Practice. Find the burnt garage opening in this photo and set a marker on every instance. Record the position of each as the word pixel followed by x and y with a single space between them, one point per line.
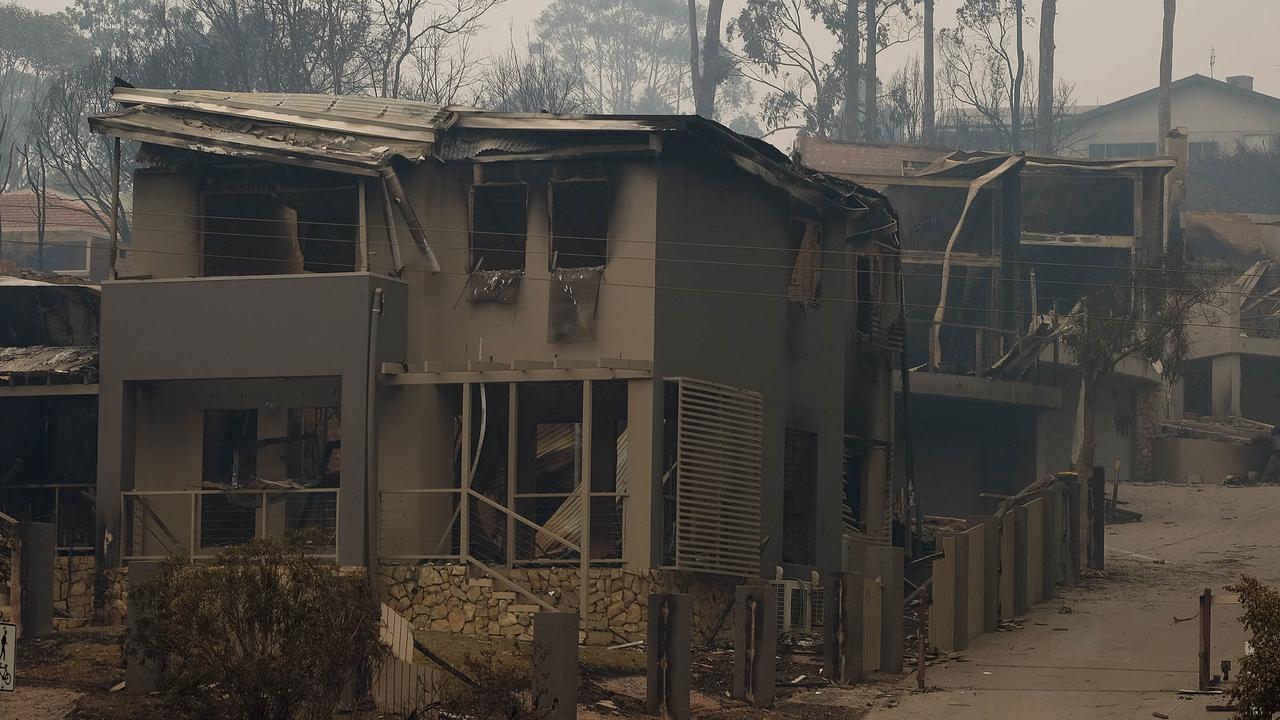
pixel 280 222
pixel 1078 204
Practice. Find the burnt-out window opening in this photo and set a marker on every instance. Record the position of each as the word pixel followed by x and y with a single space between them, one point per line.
pixel 610 449
pixel 1079 204
pixel 230 457
pixel 551 450
pixel 855 450
pixel 286 224
pixel 499 226
pixel 1197 384
pixel 579 223
pixel 230 447
pixel 488 472
pixel 799 497
pixel 573 302
pixel 805 286
pixel 549 453
pixel 314 454
pixel 48 461
pixel 866 307
pixel 927 216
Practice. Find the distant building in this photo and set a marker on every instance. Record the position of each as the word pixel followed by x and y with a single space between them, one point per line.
pixel 1220 115
pixel 74 241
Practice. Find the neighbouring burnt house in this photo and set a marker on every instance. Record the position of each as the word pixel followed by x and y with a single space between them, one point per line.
pixel 514 360
pixel 49 423
pixel 997 249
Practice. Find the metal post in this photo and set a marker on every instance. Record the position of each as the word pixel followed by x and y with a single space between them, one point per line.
pixel 195 523
pixel 513 458
pixel 755 639
pixel 362 247
pixel 922 632
pixel 464 497
pixel 584 487
pixel 1206 629
pixel 667 687
pixel 397 264
pixel 114 248
pixel 554 684
pixel 262 529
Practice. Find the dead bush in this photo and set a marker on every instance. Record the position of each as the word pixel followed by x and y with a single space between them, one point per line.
pixel 1257 686
pixel 500 691
pixel 261 633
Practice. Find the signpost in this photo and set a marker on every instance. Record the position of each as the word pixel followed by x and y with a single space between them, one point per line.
pixel 8 655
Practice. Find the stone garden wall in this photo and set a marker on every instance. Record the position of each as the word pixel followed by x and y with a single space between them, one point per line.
pixel 72 591
pixel 442 597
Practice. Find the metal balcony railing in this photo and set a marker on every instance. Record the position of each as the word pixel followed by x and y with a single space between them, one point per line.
pixel 200 523
pixel 69 506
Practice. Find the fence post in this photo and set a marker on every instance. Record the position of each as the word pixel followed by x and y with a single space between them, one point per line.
pixel 922 637
pixel 990 570
pixel 37 541
pixel 139 673
pixel 1021 537
pixel 887 563
pixel 669 624
pixel 584 486
pixel 960 590
pixel 555 665
pixel 1206 631
pixel 755 640
pixel 1097 518
pixel 843 640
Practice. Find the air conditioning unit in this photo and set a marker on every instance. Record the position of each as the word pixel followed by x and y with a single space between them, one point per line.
pixel 800 608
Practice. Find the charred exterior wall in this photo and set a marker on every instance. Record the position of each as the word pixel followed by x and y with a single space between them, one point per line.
pixel 964 448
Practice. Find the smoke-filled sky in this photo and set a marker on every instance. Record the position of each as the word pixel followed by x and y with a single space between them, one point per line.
pixel 1109 48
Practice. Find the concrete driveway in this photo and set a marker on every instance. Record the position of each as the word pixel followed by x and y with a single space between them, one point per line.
pixel 1110 647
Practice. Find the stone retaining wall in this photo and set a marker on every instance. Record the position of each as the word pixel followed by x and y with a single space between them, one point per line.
pixel 442 597
pixel 72 591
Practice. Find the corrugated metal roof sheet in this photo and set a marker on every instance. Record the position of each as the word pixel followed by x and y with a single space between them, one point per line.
pixel 329 111
pixel 45 361
pixel 362 134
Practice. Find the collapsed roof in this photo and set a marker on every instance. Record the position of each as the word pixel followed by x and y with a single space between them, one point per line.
pixel 364 136
pixel 1257 291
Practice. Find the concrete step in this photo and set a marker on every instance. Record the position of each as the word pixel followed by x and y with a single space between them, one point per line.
pixel 480 582
pixel 524 608
pixel 502 595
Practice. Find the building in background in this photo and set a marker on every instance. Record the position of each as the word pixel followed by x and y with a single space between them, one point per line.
pixel 49 424
pixel 1220 116
pixel 996 250
pixel 53 233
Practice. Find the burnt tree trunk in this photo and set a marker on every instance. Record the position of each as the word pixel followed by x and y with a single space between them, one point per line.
pixel 1044 101
pixel 851 65
pixel 1015 97
pixel 704 63
pixel 873 85
pixel 928 120
pixel 1166 75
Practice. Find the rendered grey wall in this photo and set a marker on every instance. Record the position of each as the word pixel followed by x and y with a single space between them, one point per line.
pixel 739 329
pixel 965 447
pixel 242 327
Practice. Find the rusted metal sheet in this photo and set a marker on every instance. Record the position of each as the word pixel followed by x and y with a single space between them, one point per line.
pixel 47 362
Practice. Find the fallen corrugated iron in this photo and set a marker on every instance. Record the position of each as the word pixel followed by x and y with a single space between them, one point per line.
pixel 41 362
pixel 1234 430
